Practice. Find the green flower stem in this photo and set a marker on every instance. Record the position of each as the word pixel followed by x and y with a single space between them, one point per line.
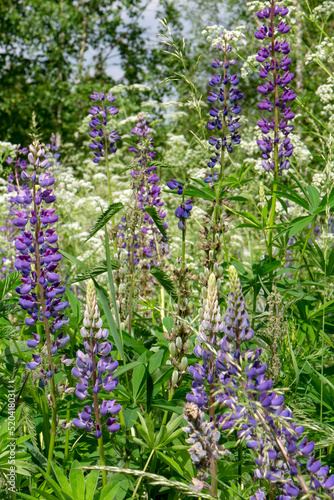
pixel 305 245
pixel 144 470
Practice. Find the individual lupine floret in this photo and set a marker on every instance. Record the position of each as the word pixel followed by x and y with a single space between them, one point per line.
pixel 102 141
pixel 95 371
pixel 37 259
pixel 275 145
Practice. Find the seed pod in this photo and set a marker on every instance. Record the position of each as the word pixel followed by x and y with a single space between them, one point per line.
pixel 172 348
pixel 184 364
pixel 179 343
pixel 187 346
pixel 175 377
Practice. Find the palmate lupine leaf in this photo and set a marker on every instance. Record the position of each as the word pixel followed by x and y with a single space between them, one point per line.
pixel 165 281
pixel 157 480
pixel 8 283
pixel 157 219
pixel 104 218
pixel 8 332
pixel 96 270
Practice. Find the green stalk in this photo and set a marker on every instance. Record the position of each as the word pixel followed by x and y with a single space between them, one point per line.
pixel 67 434
pixel 141 477
pixel 305 245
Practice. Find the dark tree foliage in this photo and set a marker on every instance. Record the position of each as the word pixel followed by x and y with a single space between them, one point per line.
pixel 52 51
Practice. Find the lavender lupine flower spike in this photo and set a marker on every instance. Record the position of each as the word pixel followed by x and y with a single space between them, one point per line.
pixel 38 257
pixel 275 144
pixel 148 192
pixel 94 370
pixel 103 141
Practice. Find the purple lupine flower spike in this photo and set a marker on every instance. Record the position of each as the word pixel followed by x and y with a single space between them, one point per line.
pixel 37 257
pixel 98 124
pixel 258 413
pixel 225 109
pixel 94 371
pixel 275 145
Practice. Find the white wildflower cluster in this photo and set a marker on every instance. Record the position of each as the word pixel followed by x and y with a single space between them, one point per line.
pixel 249 67
pixel 138 87
pixel 322 11
pixel 324 52
pixel 219 35
pixel 179 154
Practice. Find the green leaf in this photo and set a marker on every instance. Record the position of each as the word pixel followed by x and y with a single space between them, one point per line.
pixel 96 270
pixel 73 259
pixel 250 218
pixel 104 218
pixel 116 491
pixel 157 219
pixel 102 294
pixel 77 480
pixel 62 480
pixel 165 281
pixel 314 197
pixel 298 224
pixel 171 462
pixel 203 193
pixel 9 283
pixel 74 303
pixel 111 280
pixel 91 484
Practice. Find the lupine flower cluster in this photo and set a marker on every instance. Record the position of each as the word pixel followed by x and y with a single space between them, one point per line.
pixel 284 457
pixel 225 113
pixel 274 57
pixel 183 211
pixel 37 256
pixel 94 370
pixel 103 140
pixel 148 243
